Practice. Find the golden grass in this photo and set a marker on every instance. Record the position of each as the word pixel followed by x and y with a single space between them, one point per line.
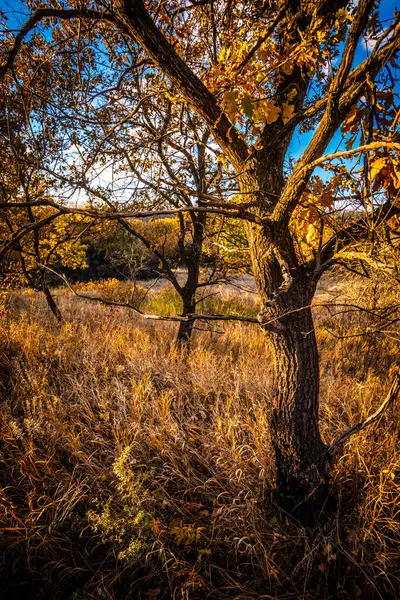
pixel 131 471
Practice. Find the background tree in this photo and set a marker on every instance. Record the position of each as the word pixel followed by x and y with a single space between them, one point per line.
pixel 93 122
pixel 21 150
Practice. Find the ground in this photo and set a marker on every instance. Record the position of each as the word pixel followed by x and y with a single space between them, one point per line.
pixel 132 471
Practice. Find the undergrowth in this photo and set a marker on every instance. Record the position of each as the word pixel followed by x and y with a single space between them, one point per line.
pixel 132 471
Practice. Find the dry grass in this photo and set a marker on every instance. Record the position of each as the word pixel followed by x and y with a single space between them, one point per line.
pixel 130 471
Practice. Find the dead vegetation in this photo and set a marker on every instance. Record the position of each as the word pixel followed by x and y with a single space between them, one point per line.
pixel 130 470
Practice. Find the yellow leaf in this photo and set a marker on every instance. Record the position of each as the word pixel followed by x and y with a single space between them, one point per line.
pixel 247 106
pixel 224 54
pixel 270 111
pixel 264 53
pixel 377 166
pixel 312 235
pixel 292 94
pixel 287 112
pixel 288 67
pixel 231 107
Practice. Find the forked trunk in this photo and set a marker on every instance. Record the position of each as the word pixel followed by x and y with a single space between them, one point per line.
pixel 286 290
pixel 191 254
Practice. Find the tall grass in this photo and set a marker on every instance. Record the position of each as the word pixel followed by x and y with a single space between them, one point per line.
pixel 132 471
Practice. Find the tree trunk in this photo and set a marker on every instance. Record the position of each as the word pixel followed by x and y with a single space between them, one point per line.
pixel 299 451
pixel 186 327
pixel 191 254
pixel 50 300
pixel 286 291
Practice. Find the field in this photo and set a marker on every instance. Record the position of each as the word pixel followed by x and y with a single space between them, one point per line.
pixel 132 470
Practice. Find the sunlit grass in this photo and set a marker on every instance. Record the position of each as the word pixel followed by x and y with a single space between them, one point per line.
pixel 129 467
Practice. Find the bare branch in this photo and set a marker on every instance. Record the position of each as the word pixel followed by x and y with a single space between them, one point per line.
pixel 233 211
pixel 44 13
pixel 346 153
pixel 389 400
pixel 355 231
pixel 151 317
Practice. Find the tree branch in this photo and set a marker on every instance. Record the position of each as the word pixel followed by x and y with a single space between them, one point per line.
pixel 143 315
pixel 356 231
pixel 335 111
pixel 360 21
pixel 234 211
pixel 44 13
pixel 390 399
pixel 23 231
pixel 143 30
pixel 134 21
pixel 346 153
pixel 262 39
pixel 357 77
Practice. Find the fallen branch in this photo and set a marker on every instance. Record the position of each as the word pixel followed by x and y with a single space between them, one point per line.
pixel 390 399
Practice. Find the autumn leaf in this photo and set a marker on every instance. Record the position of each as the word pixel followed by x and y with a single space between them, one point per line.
pixel 396 175
pixel 224 54
pixel 287 112
pixel 267 111
pixel 312 235
pixel 231 107
pixel 288 67
pixel 352 121
pixel 377 166
pixel 247 106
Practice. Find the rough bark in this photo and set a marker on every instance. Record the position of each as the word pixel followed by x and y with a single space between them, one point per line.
pixel 285 301
pixel 286 290
pixel 300 453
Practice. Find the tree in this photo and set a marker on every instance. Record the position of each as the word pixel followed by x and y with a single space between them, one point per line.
pixel 21 181
pixel 158 156
pixel 155 153
pixel 165 149
pixel 255 73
